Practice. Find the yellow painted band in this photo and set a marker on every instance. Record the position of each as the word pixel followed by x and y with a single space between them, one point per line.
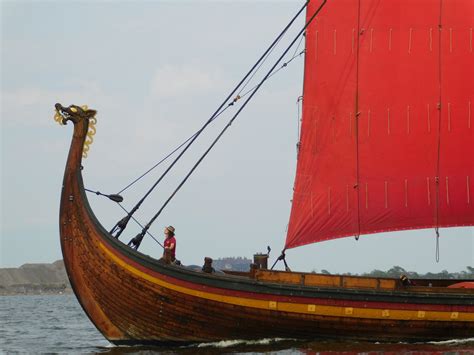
pixel 303 308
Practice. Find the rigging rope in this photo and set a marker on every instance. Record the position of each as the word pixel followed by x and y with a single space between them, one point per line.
pixel 239 96
pixel 141 226
pixel 139 237
pixel 117 198
pixel 281 257
pixel 299 45
pixel 154 166
pixel 114 197
pixel 121 225
pixel 284 65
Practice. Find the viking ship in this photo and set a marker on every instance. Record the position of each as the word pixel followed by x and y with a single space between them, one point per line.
pixel 386 145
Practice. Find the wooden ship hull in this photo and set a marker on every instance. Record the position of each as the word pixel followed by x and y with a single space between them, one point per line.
pixel 134 299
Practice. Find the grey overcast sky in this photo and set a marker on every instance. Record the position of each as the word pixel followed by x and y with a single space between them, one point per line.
pixel 155 71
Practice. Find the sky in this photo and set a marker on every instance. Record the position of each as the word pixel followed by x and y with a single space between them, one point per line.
pixel 155 71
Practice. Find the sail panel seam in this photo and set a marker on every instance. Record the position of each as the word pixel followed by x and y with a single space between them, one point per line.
pixel 356 118
pixel 439 106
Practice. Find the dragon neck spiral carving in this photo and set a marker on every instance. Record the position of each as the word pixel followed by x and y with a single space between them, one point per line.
pixel 75 114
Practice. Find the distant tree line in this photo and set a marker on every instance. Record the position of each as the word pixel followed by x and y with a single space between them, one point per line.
pixel 232 263
pixel 396 271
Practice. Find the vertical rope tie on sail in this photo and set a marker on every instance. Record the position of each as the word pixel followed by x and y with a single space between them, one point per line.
pixel 406 193
pixel 470 40
pixel 428 117
pixel 447 190
pixel 368 123
pixel 409 40
pixel 449 117
pixel 469 115
pixel 467 191
pixel 408 119
pixel 390 39
pixel 431 39
pixel 371 40
pixel 298 121
pixel 428 190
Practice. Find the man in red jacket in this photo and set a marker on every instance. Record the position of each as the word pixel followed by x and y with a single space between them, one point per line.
pixel 170 243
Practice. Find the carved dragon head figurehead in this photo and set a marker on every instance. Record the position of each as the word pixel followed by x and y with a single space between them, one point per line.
pixel 72 113
pixel 76 114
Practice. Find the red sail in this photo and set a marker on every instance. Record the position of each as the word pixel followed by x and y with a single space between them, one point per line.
pixel 388 114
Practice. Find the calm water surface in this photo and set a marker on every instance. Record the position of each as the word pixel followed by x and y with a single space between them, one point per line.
pixel 57 324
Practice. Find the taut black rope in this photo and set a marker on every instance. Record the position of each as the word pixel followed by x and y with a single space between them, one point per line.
pixel 141 226
pixel 154 166
pixel 117 198
pixel 121 225
pixel 138 238
pixel 114 197
pixel 284 65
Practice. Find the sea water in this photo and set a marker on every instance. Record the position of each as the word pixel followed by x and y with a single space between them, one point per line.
pixel 57 324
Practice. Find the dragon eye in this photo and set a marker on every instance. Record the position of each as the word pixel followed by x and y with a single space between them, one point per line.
pixel 73 109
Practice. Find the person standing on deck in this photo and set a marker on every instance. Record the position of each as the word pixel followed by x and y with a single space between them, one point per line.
pixel 169 244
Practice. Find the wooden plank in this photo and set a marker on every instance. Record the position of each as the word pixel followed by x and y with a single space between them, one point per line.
pixel 359 282
pixel 387 284
pixel 322 280
pixel 278 276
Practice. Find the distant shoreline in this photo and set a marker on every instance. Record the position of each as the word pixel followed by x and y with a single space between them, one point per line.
pixel 35 291
pixel 35 279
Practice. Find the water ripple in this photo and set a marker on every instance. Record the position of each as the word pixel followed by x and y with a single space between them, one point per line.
pixel 57 324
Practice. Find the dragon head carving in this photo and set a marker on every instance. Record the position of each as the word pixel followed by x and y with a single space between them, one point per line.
pixel 76 114
pixel 72 113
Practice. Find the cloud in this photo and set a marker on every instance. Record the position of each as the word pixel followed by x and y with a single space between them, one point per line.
pixel 29 105
pixel 179 81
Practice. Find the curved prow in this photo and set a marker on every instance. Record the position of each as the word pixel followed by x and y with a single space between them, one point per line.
pixel 72 194
pixel 80 232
